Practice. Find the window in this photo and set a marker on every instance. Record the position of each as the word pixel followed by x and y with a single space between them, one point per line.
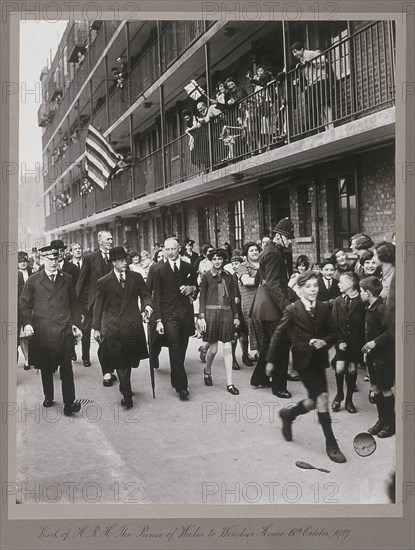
pixel 341 55
pixel 304 211
pixel 236 223
pixel 345 206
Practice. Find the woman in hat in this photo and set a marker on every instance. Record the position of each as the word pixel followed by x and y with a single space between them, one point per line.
pixel 246 275
pixel 218 315
pixel 23 273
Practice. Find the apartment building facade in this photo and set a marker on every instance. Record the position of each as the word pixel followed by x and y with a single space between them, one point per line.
pixel 316 143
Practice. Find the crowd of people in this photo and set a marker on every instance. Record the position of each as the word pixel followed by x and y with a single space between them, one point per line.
pixel 285 323
pixel 251 116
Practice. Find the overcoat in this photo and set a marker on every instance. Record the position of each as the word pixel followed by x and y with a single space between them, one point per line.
pixel 273 275
pixel 93 268
pixel 117 315
pixel 299 328
pixel 52 309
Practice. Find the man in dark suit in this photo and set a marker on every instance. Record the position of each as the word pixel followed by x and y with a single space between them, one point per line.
pixel 309 327
pixel 116 308
pixel 175 282
pixel 273 275
pixel 51 318
pixel 328 288
pixel 93 268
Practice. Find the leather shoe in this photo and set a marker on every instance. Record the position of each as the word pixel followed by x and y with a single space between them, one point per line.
pixel 376 428
pixel 87 363
pixel 184 394
pixel 388 430
pixel 71 408
pixel 107 382
pixel 247 360
pixel 48 402
pixel 293 377
pixel 235 366
pixel 286 425
pixel 335 406
pixel 335 454
pixel 127 403
pixel 232 389
pixel 207 376
pixel 113 377
pixel 350 408
pixel 284 394
pixel 26 367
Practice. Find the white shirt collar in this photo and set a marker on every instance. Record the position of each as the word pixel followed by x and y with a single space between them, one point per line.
pixel 307 304
pixel 177 262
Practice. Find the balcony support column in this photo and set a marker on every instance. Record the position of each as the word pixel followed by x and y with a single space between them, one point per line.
pixel 208 86
pixel 163 134
pixel 287 89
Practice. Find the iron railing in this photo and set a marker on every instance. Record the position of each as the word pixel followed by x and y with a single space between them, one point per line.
pixel 352 79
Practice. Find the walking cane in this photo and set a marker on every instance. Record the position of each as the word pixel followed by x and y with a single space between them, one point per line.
pixel 150 360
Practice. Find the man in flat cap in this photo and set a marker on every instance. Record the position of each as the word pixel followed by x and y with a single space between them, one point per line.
pixel 51 317
pixel 269 305
pixel 117 321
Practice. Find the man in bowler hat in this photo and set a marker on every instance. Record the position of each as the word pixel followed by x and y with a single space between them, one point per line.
pixel 51 317
pixel 118 322
pixel 273 275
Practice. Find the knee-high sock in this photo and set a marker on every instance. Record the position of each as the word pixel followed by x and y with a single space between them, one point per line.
pixel 339 385
pixel 350 385
pixel 325 421
pixel 293 412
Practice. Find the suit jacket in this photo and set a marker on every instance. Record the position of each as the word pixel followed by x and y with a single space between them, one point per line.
pixel 168 298
pixel 325 294
pixel 52 309
pixel 350 324
pixel 117 310
pixel 93 268
pixel 272 273
pixel 299 328
pixel 377 329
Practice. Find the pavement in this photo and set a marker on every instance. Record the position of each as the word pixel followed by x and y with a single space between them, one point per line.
pixel 215 448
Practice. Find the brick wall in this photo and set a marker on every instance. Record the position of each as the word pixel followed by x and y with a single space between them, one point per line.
pixel 376 174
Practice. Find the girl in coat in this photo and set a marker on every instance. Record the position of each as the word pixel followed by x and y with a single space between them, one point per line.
pixel 218 315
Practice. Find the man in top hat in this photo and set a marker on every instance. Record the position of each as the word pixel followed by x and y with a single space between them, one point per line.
pixel 117 321
pixel 93 268
pixel 268 307
pixel 50 315
pixel 175 281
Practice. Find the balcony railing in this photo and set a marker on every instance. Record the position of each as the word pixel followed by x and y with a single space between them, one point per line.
pixel 350 80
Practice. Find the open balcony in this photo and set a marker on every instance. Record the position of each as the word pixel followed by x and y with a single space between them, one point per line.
pixel 352 80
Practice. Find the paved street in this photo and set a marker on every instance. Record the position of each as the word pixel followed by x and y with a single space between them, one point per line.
pixel 215 448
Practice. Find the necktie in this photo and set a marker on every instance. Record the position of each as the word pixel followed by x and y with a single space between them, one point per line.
pixel 52 277
pixel 176 270
pixel 122 280
pixel 312 310
pixel 348 301
pixel 329 284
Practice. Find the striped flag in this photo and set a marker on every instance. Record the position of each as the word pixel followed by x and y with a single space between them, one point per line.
pixel 101 159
